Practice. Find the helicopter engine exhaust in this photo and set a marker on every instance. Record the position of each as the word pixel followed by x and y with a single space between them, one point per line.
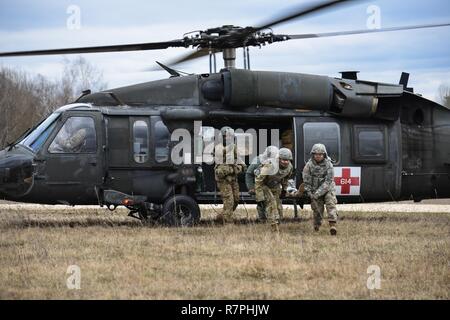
pixel 344 97
pixel 244 88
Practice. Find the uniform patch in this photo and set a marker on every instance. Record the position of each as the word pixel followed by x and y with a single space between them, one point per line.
pixel 347 181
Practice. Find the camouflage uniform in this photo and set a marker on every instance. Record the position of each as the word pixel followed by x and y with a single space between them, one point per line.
pixel 226 176
pixel 269 184
pixel 250 182
pixel 73 143
pixel 318 179
pixel 270 151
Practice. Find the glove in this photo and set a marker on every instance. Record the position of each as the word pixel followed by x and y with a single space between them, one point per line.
pixel 301 190
pixel 291 194
pixel 251 191
pixel 315 196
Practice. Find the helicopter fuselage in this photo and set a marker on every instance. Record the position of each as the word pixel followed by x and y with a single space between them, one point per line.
pixel 386 143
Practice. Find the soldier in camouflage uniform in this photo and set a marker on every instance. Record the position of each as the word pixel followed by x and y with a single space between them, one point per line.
pixel 271 182
pixel 75 142
pixel 269 153
pixel 70 139
pixel 318 179
pixel 228 167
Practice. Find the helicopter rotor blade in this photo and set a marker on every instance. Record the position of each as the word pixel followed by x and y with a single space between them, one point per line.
pixel 352 32
pixel 191 56
pixel 294 13
pixel 188 57
pixel 112 48
pixel 303 11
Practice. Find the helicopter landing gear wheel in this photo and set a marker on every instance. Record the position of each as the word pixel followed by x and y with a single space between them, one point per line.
pixel 180 211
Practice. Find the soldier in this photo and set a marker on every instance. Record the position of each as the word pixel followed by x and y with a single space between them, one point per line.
pixel 228 167
pixel 318 179
pixel 271 182
pixel 70 139
pixel 269 153
pixel 75 142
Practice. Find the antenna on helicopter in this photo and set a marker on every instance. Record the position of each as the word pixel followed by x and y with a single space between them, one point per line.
pixel 172 72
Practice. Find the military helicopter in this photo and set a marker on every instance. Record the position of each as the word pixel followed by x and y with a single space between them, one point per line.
pixel 387 143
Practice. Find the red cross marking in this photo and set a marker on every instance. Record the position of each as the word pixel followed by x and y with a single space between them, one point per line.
pixel 346 181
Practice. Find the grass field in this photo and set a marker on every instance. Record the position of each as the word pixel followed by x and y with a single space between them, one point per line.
pixel 121 258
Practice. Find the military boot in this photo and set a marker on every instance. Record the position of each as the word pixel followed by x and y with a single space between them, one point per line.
pixel 275 228
pixel 317 227
pixel 220 219
pixel 261 219
pixel 261 212
pixel 333 230
pixel 228 219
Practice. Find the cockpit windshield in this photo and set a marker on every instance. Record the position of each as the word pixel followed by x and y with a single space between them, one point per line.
pixel 39 134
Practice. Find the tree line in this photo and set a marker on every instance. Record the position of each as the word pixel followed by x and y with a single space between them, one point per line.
pixel 25 98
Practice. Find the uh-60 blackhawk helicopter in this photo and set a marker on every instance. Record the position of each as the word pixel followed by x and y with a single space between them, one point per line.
pixel 387 143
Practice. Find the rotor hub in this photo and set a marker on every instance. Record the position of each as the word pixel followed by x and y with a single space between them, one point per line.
pixel 229 36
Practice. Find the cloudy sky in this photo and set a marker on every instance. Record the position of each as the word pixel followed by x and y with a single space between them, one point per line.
pixel 30 25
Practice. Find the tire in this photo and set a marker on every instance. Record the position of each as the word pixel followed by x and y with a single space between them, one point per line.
pixel 187 213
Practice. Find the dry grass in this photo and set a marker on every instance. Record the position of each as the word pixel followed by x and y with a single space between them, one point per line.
pixel 120 258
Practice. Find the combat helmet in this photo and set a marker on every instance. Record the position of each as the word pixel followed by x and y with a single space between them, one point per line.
pixel 319 148
pixel 285 154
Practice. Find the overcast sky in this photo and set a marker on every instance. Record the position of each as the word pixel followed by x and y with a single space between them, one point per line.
pixel 29 25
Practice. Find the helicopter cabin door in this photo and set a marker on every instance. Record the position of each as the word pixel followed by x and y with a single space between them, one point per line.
pixel 73 158
pixel 312 130
pixel 364 153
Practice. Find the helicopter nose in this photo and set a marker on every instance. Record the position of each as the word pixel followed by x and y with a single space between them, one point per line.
pixel 15 174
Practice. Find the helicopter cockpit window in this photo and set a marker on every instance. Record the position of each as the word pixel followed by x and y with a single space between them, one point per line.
pixel 140 141
pixel 162 137
pixel 77 135
pixel 37 137
pixel 327 133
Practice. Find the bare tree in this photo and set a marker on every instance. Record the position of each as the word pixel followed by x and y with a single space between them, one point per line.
pixel 25 98
pixel 79 75
pixel 444 94
pixel 19 104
